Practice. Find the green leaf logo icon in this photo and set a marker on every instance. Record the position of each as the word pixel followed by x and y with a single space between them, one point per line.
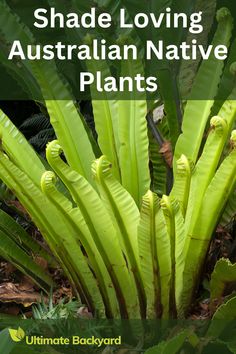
pixel 17 334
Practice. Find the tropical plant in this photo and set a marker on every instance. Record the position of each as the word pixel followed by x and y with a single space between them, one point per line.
pixel 43 311
pixel 127 252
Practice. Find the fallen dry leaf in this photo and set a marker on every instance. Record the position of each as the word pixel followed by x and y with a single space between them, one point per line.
pixel 26 284
pixel 10 292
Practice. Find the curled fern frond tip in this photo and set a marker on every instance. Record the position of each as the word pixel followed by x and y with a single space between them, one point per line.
pixel 219 124
pixel 53 149
pixel 48 180
pixel 101 165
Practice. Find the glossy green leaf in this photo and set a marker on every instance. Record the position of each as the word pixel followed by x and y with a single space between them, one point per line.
pixel 105 114
pixel 198 239
pixel 78 229
pixel 223 274
pixel 205 170
pixel 197 111
pixel 19 150
pixel 180 190
pixel 133 137
pixel 154 253
pixel 65 118
pixel 223 316
pixel 125 216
